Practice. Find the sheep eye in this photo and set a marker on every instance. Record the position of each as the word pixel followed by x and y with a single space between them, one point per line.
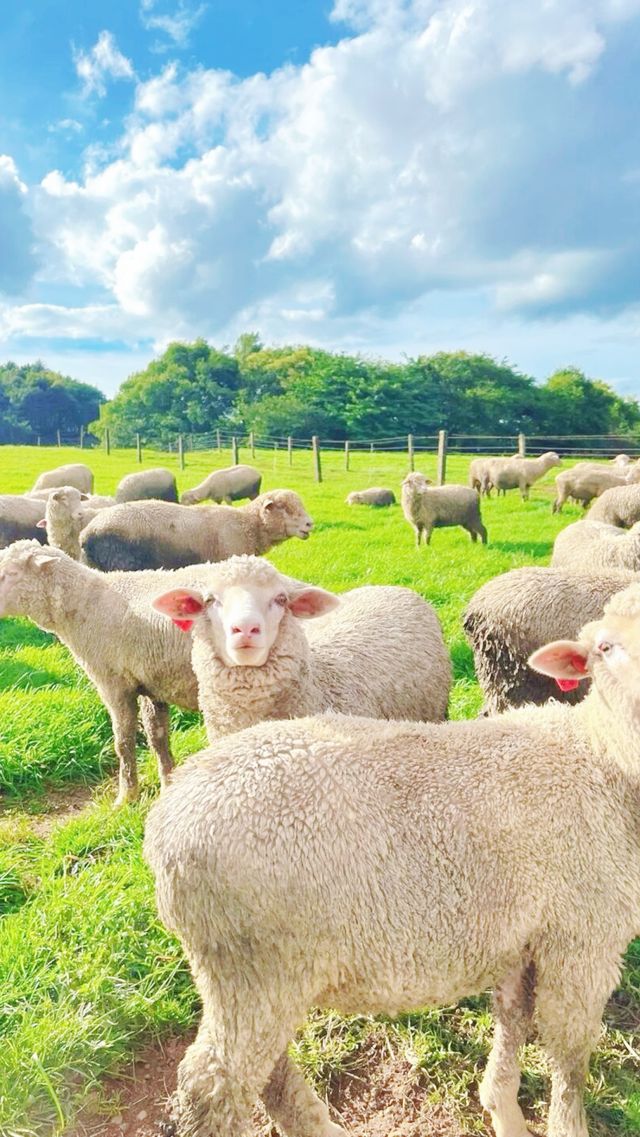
pixel 604 647
pixel 281 599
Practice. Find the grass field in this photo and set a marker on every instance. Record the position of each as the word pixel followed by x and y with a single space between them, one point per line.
pixel 87 973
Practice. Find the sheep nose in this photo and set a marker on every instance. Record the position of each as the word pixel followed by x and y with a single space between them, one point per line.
pixel 246 629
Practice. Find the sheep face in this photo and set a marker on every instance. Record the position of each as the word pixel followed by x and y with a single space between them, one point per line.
pixel 242 620
pixel 189 498
pixel 284 515
pixel 608 651
pixel 23 557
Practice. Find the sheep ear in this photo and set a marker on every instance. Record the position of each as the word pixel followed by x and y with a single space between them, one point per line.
pixel 181 605
pixel 563 660
pixel 268 503
pixel 310 602
pixel 84 496
pixel 42 523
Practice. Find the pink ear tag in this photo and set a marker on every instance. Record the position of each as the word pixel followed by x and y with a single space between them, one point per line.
pixel 184 625
pixel 568 684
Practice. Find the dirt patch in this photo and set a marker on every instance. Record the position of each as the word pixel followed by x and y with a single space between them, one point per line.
pixel 382 1095
pixel 60 806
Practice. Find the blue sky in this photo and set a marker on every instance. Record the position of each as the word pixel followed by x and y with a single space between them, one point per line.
pixel 382 176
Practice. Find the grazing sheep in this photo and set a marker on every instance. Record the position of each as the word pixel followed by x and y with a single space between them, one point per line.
pixel 427 507
pixel 598 546
pixel 512 615
pixel 587 480
pixel 381 652
pixel 128 650
pixel 376 495
pixel 381 867
pixel 154 534
pixel 67 513
pixel 75 474
pixel 479 474
pixel 157 484
pixel 19 517
pixel 618 506
pixel 230 484
pixel 520 473
pixel 621 460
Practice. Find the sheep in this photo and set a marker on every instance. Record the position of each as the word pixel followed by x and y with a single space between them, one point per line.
pixel 621 460
pixel 379 867
pixel 598 545
pixel 512 615
pixel 382 652
pixel 128 650
pixel 376 496
pixel 154 534
pixel 158 484
pixel 514 473
pixel 19 517
pixel 66 514
pixel 74 474
pixel 479 474
pixel 587 480
pixel 427 507
pixel 230 484
pixel 618 506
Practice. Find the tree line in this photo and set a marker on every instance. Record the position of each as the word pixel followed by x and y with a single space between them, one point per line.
pixel 300 390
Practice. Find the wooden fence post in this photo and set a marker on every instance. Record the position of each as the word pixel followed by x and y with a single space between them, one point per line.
pixel 138 448
pixel 442 457
pixel 58 437
pixel 252 443
pixel 234 450
pixel 346 454
pixel 410 451
pixel 39 441
pixel 82 437
pixel 522 446
pixel 371 448
pixel 290 449
pixel 317 464
pixel 181 452
pixel 218 441
pixel 107 440
pixel 191 441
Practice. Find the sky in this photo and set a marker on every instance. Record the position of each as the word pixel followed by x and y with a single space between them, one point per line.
pixel 389 177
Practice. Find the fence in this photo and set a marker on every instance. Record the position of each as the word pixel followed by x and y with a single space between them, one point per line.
pixel 439 444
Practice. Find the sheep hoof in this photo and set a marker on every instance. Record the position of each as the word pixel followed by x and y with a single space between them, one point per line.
pixel 126 795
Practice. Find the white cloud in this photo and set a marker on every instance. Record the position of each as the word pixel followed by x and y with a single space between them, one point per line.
pixel 177 24
pixel 104 61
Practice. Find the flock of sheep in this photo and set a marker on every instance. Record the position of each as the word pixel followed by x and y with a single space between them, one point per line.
pixel 375 861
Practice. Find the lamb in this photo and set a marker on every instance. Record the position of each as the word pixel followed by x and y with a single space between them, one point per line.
pixel 380 867
pixel 514 473
pixel 618 506
pixel 230 484
pixel 158 484
pixel 381 652
pixel 376 496
pixel 587 480
pixel 67 513
pixel 514 614
pixel 128 650
pixel 154 534
pixel 19 517
pixel 598 545
pixel 74 474
pixel 427 507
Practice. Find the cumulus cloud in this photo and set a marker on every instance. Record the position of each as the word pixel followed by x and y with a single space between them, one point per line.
pixel 442 148
pixel 104 61
pixel 17 259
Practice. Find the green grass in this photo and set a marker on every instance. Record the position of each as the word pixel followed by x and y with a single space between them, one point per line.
pixel 88 974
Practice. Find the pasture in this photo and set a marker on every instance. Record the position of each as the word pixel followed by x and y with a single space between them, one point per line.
pixel 88 976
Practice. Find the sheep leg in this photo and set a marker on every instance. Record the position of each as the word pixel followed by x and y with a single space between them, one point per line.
pixel 428 530
pixel 294 1106
pixel 155 721
pixel 123 709
pixel 513 1009
pixel 418 532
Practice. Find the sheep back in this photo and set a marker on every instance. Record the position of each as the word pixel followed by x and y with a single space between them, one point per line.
pixel 375 495
pixel 231 484
pixel 158 484
pixel 74 474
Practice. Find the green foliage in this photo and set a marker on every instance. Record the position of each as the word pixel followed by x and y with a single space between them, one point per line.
pixel 36 401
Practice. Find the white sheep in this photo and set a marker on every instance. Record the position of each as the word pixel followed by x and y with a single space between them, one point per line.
pixel 621 460
pixel 380 653
pixel 19 518
pixel 381 867
pixel 479 478
pixel 157 483
pixel 67 513
pixel 74 474
pixel 154 534
pixel 520 473
pixel 231 484
pixel 617 506
pixel 128 650
pixel 375 495
pixel 587 480
pixel 513 614
pixel 427 507
pixel 597 545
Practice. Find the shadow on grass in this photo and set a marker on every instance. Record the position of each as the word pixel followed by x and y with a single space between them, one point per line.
pixel 15 675
pixel 462 660
pixel 320 526
pixel 22 633
pixel 529 548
